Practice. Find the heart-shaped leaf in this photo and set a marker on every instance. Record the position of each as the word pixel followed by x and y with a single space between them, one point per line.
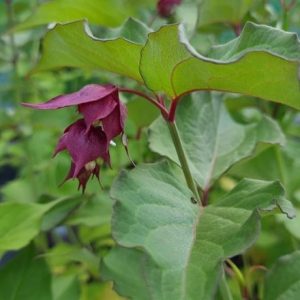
pixel 181 245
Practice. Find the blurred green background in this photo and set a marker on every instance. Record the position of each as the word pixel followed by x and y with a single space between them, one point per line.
pixel 65 242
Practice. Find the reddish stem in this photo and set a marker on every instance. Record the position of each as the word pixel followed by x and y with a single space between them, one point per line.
pixel 237 28
pixel 159 105
pixel 172 112
pixel 205 196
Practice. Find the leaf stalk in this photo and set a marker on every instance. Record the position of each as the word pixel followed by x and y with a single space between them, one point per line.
pixel 183 160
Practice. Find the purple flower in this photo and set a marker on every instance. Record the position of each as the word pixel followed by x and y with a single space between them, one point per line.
pixel 165 7
pixel 87 140
pixel 85 148
pixel 96 103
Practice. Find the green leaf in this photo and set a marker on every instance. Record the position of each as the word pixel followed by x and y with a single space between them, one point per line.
pixel 65 287
pixel 130 283
pixel 141 113
pixel 229 11
pixel 72 45
pixel 133 30
pixel 274 163
pixel 262 62
pixel 19 224
pixel 94 212
pixel 182 243
pixel 283 280
pixel 160 56
pixel 65 255
pixel 212 141
pixel 25 277
pixel 61 212
pixel 103 12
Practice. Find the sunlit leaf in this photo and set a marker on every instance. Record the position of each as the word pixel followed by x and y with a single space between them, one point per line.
pixel 21 222
pixel 72 45
pixel 262 62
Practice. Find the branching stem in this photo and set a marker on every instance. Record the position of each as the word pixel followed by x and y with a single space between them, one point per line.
pixel 159 105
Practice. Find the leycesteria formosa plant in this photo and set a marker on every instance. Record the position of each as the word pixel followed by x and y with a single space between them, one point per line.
pixel 172 236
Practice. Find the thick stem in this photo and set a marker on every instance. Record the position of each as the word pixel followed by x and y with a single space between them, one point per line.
pixel 172 111
pixel 183 161
pixel 224 288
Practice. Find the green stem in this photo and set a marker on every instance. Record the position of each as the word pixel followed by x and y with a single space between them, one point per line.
pixel 224 288
pixel 183 161
pixel 240 278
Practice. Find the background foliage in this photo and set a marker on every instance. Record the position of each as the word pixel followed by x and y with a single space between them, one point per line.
pixel 52 238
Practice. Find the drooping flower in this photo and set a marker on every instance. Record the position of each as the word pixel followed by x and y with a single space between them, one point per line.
pixel 165 7
pixel 85 148
pixel 96 103
pixel 87 140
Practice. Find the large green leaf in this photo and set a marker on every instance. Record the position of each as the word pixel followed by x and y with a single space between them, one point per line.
pixel 103 12
pixel 262 62
pixel 25 277
pixel 212 140
pixel 184 245
pixel 72 45
pixel 283 280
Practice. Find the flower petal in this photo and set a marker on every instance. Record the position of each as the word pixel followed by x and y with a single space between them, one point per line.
pixel 87 94
pixel 98 110
pixel 113 124
pixel 83 176
pixel 84 146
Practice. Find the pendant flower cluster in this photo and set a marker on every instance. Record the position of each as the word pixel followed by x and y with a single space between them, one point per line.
pixel 87 140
